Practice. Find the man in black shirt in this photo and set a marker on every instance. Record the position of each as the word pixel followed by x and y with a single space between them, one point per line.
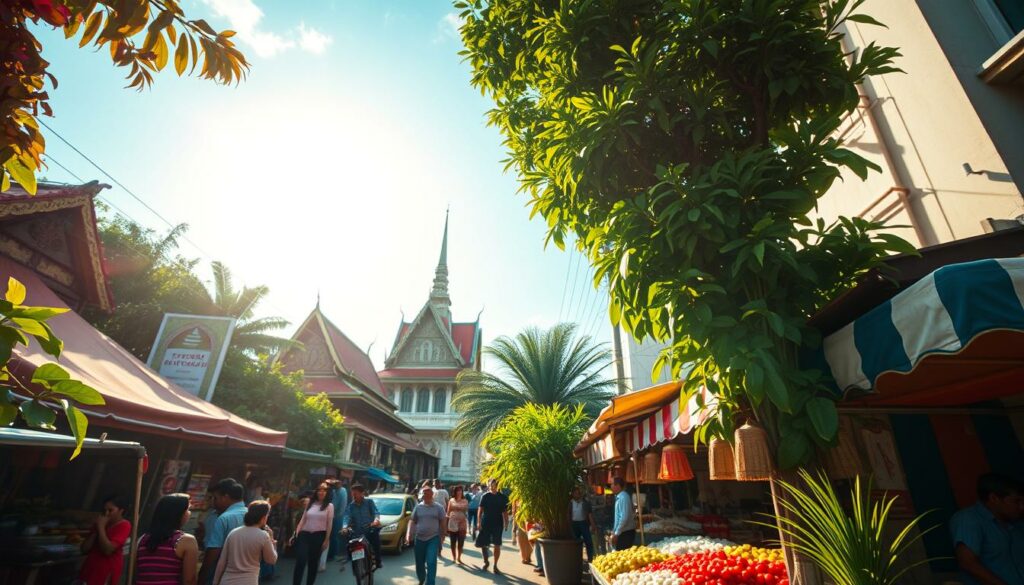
pixel 492 518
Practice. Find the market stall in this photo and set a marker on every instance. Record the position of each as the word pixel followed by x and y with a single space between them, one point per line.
pixel 49 502
pixel 684 517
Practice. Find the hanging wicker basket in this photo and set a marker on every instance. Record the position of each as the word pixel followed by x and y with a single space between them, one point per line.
pixel 651 467
pixel 674 464
pixel 844 462
pixel 753 457
pixel 721 460
pixel 630 472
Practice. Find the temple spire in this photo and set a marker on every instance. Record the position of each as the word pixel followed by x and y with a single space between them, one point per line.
pixel 439 293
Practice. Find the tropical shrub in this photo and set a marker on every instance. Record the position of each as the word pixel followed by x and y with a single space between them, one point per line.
pixel 533 456
pixel 850 548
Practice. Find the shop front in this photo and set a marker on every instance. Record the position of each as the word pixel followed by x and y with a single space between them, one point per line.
pixel 50 503
pixel 933 386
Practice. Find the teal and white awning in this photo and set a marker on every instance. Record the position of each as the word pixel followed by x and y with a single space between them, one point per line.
pixel 380 474
pixel 942 314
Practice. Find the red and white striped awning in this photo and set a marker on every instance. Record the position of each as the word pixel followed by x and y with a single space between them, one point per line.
pixel 600 451
pixel 668 422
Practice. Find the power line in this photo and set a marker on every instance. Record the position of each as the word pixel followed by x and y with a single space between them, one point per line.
pixel 106 201
pixel 565 285
pixel 126 189
pixel 573 306
pixel 572 260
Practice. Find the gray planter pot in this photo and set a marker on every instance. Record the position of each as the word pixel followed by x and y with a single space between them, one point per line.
pixel 563 561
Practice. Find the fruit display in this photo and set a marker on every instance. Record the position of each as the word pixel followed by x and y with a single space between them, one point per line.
pixel 754 553
pixel 681 545
pixel 623 561
pixel 719 568
pixel 648 578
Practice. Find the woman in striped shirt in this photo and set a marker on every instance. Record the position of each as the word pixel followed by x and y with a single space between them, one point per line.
pixel 168 556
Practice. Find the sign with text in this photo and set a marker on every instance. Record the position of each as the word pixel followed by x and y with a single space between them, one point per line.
pixel 189 351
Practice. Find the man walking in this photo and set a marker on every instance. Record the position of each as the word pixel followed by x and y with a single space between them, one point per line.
pixel 340 501
pixel 492 519
pixel 426 528
pixel 582 518
pixel 624 529
pixel 227 498
pixel 360 515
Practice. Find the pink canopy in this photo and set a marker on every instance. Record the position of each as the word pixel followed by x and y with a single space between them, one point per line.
pixel 136 396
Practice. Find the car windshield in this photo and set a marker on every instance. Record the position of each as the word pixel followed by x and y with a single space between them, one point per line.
pixel 389 506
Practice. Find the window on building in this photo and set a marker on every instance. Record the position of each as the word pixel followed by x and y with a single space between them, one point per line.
pixel 456 457
pixel 423 400
pixel 361 449
pixel 440 399
pixel 406 405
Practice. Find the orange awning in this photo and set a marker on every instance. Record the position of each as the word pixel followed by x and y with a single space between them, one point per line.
pixel 136 396
pixel 627 407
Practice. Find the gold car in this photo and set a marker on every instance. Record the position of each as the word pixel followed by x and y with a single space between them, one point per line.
pixel 395 512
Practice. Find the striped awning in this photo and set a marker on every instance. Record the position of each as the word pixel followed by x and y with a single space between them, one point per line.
pixel 668 422
pixel 941 315
pixel 600 451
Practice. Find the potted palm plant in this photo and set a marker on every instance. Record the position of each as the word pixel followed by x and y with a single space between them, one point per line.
pixel 533 456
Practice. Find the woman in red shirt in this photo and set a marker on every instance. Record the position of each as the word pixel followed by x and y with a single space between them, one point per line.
pixel 104 546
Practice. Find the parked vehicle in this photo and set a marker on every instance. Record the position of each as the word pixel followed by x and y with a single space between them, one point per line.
pixel 395 512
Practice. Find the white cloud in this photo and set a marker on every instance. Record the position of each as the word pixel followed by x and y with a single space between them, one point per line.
pixel 245 18
pixel 312 40
pixel 448 27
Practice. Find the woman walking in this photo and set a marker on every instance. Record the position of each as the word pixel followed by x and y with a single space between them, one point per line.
pixel 166 555
pixel 311 536
pixel 105 545
pixel 245 547
pixel 458 524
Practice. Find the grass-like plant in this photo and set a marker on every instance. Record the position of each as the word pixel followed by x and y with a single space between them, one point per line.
pixel 851 547
pixel 533 456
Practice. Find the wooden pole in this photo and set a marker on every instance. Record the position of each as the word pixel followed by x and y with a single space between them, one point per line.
pixel 135 522
pixel 639 507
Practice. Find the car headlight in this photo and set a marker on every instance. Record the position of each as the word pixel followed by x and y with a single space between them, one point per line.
pixel 393 527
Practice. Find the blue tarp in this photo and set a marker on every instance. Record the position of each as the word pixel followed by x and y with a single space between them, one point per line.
pixel 380 474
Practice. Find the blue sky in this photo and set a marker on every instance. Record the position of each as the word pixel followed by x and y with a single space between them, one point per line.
pixel 329 169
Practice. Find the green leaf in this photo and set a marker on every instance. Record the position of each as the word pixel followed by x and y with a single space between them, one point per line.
pixel 8 411
pixel 12 336
pixel 50 373
pixel 79 392
pixel 864 19
pixel 776 390
pixel 50 344
pixel 31 326
pixel 37 313
pixel 78 423
pixel 15 291
pixel 824 417
pixel 794 449
pixel 38 415
pixel 759 252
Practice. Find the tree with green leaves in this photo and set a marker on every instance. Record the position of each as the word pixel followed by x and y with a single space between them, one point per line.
pixel 685 143
pixel 535 367
pixel 252 334
pixel 259 391
pixel 142 36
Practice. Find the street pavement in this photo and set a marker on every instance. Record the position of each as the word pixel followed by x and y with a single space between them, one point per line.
pixel 400 570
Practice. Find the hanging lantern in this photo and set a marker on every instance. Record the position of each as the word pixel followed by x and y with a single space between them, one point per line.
pixel 844 462
pixel 652 465
pixel 721 460
pixel 753 457
pixel 674 465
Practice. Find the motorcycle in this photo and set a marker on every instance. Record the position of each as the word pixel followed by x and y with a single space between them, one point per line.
pixel 360 551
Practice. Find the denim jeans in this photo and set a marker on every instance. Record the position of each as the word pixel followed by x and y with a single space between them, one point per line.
pixel 581 531
pixel 425 552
